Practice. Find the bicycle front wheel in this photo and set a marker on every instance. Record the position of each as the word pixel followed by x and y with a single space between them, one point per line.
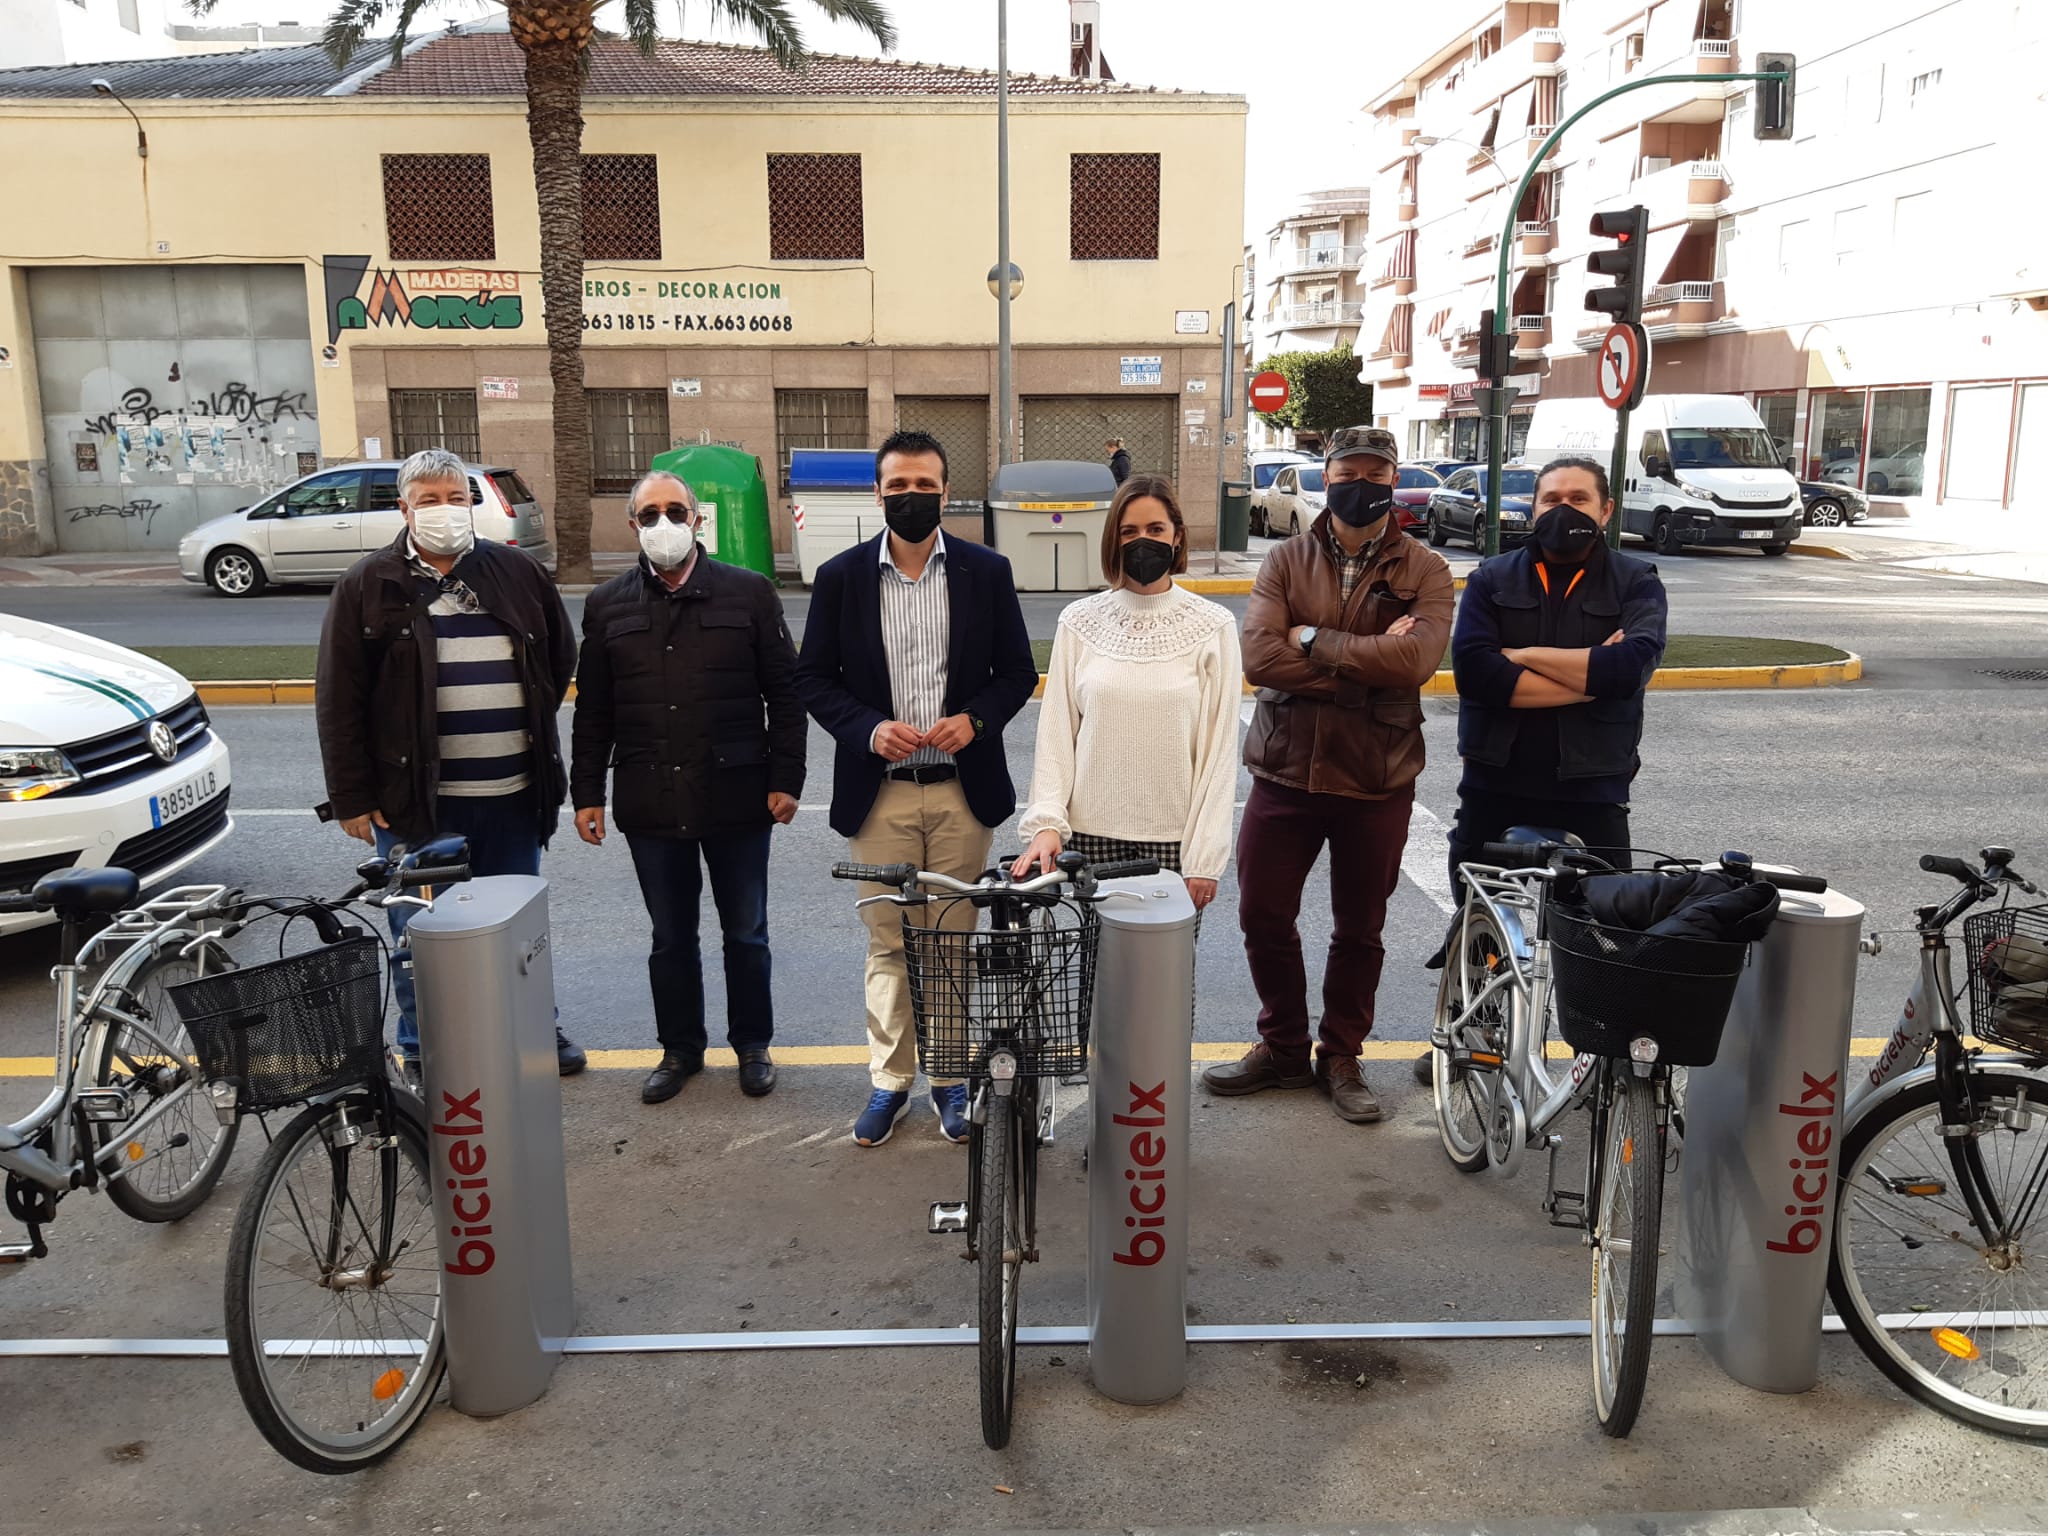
pixel 999 1241
pixel 1464 1094
pixel 1954 1316
pixel 334 1316
pixel 172 1165
pixel 1626 1232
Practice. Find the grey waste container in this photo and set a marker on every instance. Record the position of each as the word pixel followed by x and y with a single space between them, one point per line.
pixel 1763 1136
pixel 1138 1142
pixel 1234 524
pixel 484 975
pixel 1047 516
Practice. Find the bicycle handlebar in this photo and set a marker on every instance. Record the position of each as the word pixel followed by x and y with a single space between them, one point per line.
pixel 1125 869
pixel 898 875
pixel 1084 879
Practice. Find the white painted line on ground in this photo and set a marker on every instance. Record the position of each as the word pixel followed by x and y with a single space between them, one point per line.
pixel 1425 859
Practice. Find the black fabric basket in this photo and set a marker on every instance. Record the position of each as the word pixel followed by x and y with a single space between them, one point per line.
pixel 291 1029
pixel 1612 986
pixel 2008 953
pixel 1032 988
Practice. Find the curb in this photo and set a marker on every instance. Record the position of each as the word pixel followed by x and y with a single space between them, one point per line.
pixel 1821 674
pixel 1821 551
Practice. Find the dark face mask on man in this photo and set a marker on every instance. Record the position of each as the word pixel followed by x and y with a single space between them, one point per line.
pixel 1566 535
pixel 1358 503
pixel 912 515
pixel 1147 560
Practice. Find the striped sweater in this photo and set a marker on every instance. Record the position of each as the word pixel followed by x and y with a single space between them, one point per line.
pixel 479 703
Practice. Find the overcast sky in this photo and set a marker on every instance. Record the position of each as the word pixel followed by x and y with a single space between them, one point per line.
pixel 1307 66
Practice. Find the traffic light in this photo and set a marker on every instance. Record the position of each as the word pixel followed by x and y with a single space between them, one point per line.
pixel 1628 228
pixel 1496 352
pixel 1773 116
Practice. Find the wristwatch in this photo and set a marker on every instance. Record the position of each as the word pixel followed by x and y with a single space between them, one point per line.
pixel 1308 639
pixel 979 725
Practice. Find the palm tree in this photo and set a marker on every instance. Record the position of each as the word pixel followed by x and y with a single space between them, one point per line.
pixel 555 35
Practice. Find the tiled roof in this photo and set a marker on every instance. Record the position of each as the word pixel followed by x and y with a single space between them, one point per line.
pixel 488 64
pixel 249 72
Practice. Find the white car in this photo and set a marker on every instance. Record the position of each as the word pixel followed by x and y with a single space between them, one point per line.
pixel 316 528
pixel 1291 502
pixel 107 759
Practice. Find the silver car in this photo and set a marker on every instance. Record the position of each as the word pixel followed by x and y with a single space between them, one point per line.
pixel 317 527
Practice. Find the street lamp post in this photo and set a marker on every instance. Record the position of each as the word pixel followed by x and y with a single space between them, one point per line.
pixel 105 88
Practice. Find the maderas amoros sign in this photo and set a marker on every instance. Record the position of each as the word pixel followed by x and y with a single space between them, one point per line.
pixel 420 298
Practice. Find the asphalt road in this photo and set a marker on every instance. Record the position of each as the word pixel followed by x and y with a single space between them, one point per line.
pixel 1882 613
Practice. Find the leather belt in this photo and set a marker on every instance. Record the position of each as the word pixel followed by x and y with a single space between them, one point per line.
pixel 929 773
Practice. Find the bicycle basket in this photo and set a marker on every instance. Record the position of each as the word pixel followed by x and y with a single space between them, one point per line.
pixel 1612 985
pixel 287 1030
pixel 2008 953
pixel 1029 988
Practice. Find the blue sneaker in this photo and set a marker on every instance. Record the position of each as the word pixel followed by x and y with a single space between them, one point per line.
pixel 877 1123
pixel 951 1103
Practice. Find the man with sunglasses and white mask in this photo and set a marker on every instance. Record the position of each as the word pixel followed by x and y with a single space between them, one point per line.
pixel 687 694
pixel 478 629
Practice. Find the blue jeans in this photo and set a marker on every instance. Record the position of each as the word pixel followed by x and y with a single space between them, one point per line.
pixel 504 839
pixel 672 883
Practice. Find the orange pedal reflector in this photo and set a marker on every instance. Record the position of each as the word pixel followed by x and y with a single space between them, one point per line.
pixel 389 1385
pixel 1485 1059
pixel 135 1152
pixel 1628 1149
pixel 1958 1344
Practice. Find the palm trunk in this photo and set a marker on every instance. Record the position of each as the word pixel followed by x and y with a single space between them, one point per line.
pixel 554 122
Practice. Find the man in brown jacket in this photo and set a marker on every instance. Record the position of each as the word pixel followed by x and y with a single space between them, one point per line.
pixel 1346 623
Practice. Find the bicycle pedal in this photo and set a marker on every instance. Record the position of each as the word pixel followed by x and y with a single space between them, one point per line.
pixel 105 1106
pixel 948 1216
pixel 1566 1208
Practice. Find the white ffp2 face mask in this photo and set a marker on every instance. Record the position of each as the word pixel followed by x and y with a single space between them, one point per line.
pixel 443 530
pixel 668 544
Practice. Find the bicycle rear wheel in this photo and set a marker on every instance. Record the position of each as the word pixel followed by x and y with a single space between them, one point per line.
pixel 1464 1094
pixel 334 1317
pixel 1630 1212
pixel 1955 1319
pixel 999 1242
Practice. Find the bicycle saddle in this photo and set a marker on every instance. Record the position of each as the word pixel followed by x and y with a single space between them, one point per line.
pixel 1543 835
pixel 87 890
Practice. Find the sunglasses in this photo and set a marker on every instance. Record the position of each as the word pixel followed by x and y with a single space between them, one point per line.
pixel 675 512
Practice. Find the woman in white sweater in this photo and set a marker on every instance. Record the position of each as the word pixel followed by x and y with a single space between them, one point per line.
pixel 1137 737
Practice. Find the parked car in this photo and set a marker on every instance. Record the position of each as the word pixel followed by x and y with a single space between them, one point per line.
pixel 1832 506
pixel 1457 508
pixel 1411 495
pixel 1444 468
pixel 106 758
pixel 1291 502
pixel 1268 462
pixel 318 526
pixel 1896 474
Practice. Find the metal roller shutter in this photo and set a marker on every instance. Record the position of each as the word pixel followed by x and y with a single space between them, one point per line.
pixel 1076 427
pixel 960 423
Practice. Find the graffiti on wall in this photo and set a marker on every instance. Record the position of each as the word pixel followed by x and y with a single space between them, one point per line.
pixel 135 510
pixel 427 299
pixel 233 401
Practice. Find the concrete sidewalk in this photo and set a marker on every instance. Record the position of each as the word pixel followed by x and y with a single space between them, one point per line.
pixel 725 1215
pixel 2005 544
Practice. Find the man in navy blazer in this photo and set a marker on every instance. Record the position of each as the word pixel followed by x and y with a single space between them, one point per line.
pixel 914 659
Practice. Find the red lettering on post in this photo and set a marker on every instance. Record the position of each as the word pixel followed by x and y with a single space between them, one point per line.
pixel 1148 1189
pixel 1810 1177
pixel 462 1120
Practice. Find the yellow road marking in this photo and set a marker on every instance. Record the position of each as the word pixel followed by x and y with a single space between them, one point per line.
pixel 857 1055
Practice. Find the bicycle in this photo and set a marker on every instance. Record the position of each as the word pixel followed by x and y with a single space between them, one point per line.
pixel 333 1287
pixel 1496 1095
pixel 125 1114
pixel 1939 1184
pixel 1006 1008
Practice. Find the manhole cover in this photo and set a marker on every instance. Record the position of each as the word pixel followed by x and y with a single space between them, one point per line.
pixel 2015 674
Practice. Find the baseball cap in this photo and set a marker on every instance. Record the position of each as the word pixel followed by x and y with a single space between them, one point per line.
pixel 1377 441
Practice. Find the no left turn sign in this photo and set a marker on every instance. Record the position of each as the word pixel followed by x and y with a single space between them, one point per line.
pixel 1622 367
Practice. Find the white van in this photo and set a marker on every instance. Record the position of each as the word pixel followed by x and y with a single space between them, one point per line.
pixel 1701 469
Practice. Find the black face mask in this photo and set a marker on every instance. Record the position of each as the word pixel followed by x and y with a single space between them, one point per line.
pixel 1146 560
pixel 1358 503
pixel 1567 535
pixel 912 515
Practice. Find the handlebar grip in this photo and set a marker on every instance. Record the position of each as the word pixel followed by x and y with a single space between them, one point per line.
pixel 18 901
pixel 898 875
pixel 1786 880
pixel 446 874
pixel 1516 855
pixel 1124 869
pixel 1954 868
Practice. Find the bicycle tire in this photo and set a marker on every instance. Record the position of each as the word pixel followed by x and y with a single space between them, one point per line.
pixel 1628 1167
pixel 305 1445
pixel 1919 1372
pixel 999 1245
pixel 1454 1091
pixel 163 1066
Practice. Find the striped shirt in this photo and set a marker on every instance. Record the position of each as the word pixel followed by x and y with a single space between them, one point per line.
pixel 917 629
pixel 479 702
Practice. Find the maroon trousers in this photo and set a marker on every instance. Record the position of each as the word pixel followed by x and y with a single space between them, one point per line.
pixel 1282 835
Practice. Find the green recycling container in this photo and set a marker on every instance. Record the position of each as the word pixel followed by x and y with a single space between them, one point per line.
pixel 1234 528
pixel 734 499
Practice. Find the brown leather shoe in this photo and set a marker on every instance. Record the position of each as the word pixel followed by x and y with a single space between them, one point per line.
pixel 1252 1072
pixel 1339 1077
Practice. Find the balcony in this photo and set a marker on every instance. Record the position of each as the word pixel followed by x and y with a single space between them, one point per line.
pixel 1521 57
pixel 1322 258
pixel 1676 311
pixel 1690 189
pixel 1713 56
pixel 1535 240
pixel 1532 333
pixel 1312 316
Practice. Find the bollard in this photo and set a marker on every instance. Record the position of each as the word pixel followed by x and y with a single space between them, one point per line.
pixel 1763 1130
pixel 1138 1077
pixel 485 981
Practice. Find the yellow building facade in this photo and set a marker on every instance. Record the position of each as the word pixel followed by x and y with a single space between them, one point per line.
pixel 310 267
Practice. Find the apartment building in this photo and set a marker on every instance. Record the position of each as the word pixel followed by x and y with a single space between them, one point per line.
pixel 96 31
pixel 1872 285
pixel 314 265
pixel 1310 293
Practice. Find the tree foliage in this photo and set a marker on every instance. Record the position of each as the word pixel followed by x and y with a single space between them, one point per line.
pixel 1323 392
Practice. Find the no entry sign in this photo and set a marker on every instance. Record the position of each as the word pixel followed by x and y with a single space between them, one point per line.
pixel 1268 392
pixel 1622 366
